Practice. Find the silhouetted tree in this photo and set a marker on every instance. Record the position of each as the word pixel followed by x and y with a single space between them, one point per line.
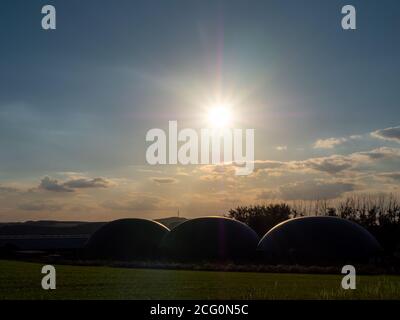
pixel 380 215
pixel 261 218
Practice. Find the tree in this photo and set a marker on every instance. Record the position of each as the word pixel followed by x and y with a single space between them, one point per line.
pixel 261 218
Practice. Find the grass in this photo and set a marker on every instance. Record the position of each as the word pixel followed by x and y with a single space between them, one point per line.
pixel 22 280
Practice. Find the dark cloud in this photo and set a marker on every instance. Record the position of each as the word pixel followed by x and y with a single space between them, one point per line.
pixel 334 164
pixel 164 180
pixel 331 165
pixel 88 183
pixel 380 153
pixel 392 134
pixel 54 185
pixel 50 184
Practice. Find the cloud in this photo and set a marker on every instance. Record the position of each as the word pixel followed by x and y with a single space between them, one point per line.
pixel 268 195
pixel 391 134
pixel 40 206
pixel 54 185
pixel 164 180
pixel 356 136
pixel 307 190
pixel 218 173
pixel 50 184
pixel 382 153
pixel 328 143
pixel 314 190
pixel 218 168
pixel 332 165
pixel 269 164
pixel 331 143
pixel 394 176
pixel 337 163
pixel 4 189
pixel 281 148
pixel 88 183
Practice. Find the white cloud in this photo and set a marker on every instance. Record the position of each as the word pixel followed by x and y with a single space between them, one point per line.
pixel 328 143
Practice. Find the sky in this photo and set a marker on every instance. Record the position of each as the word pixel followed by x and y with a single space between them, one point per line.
pixel 76 104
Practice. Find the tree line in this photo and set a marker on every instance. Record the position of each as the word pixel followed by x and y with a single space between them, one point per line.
pixel 380 215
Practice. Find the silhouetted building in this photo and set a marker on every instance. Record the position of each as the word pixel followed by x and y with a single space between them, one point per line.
pixel 210 239
pixel 318 240
pixel 126 239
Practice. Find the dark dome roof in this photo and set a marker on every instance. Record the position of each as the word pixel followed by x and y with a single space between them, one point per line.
pixel 126 239
pixel 210 238
pixel 318 240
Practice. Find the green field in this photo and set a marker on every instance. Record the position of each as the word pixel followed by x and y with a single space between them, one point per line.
pixel 21 280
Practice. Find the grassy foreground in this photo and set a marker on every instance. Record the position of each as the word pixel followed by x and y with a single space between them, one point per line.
pixel 21 280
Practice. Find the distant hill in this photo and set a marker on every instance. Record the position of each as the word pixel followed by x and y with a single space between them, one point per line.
pixel 50 228
pixel 66 227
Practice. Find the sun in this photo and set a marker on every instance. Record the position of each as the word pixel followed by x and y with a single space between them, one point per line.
pixel 220 116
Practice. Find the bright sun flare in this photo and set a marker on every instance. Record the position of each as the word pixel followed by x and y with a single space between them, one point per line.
pixel 220 117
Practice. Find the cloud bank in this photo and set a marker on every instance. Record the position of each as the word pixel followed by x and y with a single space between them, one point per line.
pixel 54 185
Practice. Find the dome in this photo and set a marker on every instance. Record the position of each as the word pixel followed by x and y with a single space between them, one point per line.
pixel 318 240
pixel 126 239
pixel 210 238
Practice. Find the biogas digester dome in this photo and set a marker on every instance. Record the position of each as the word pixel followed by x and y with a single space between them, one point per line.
pixel 210 238
pixel 318 240
pixel 126 239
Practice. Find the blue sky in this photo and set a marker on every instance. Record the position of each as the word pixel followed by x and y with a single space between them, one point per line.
pixel 76 102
